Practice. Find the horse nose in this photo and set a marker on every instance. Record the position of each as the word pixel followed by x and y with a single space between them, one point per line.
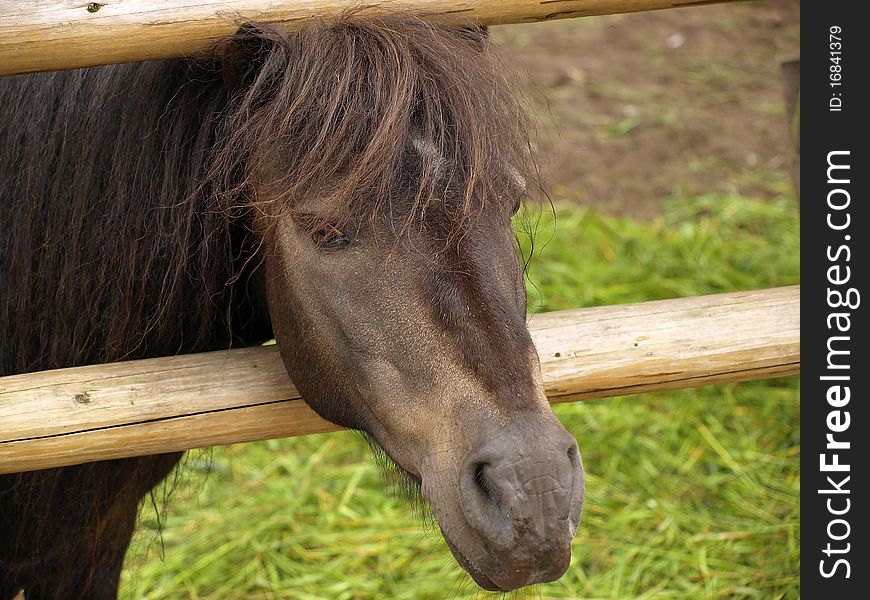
pixel 522 492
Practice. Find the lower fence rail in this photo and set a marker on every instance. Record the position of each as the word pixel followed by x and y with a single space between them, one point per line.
pixel 136 408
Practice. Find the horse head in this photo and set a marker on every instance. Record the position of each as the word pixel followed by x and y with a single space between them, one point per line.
pixel 384 160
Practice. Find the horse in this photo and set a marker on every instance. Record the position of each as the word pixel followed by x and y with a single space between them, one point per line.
pixel 348 189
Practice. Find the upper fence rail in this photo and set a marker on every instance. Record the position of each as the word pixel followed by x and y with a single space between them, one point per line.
pixel 52 35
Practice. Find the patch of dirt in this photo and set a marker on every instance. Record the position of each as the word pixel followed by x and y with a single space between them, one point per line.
pixel 640 107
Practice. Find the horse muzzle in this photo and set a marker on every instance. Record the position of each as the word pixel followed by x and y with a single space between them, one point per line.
pixel 515 504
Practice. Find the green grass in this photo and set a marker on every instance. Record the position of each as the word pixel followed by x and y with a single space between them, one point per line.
pixel 690 494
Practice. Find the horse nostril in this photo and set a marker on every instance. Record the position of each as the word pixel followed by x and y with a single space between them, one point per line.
pixel 480 478
pixel 575 506
pixel 483 482
pixel 573 454
pixel 482 501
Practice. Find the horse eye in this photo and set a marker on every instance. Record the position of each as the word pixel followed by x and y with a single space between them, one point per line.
pixel 338 242
pixel 329 236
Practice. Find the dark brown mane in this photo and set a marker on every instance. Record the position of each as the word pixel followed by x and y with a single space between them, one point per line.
pixel 125 190
pixel 339 102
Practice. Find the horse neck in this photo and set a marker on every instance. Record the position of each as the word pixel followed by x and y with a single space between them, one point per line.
pixel 111 257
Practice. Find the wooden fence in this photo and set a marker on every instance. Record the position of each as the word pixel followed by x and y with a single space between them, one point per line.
pixel 72 416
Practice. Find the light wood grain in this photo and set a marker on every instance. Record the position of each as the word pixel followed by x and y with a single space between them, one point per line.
pixel 72 416
pixel 47 35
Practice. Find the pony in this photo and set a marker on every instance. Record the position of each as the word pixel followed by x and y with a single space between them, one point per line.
pixel 347 189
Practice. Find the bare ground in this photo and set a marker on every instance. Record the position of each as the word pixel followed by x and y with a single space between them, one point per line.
pixel 640 107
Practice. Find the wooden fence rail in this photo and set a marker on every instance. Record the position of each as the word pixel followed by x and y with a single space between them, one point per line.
pixel 72 416
pixel 49 35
